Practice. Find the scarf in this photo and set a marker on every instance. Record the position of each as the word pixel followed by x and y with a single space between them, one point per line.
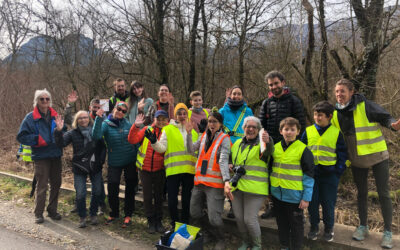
pixel 235 105
pixel 197 110
pixel 87 134
pixel 115 121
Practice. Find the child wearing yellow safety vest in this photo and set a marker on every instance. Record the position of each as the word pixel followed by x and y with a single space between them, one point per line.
pixel 327 144
pixel 292 181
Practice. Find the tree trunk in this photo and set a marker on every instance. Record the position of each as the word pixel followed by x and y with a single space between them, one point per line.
pixel 192 53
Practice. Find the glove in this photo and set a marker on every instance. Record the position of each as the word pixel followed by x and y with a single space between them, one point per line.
pixel 202 125
pixel 149 135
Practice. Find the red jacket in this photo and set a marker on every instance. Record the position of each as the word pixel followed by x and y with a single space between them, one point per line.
pixel 153 161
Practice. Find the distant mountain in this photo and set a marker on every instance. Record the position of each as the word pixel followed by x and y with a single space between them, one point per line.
pixel 74 48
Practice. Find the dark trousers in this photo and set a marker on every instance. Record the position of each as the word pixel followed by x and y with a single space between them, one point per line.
pixel 102 197
pixel 381 175
pixel 47 171
pixel 324 194
pixel 290 221
pixel 173 184
pixel 80 188
pixel 153 187
pixel 114 178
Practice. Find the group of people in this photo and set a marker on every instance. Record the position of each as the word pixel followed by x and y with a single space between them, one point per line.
pixel 209 155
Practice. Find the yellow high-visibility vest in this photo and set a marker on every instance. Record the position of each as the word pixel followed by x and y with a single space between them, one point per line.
pixel 323 147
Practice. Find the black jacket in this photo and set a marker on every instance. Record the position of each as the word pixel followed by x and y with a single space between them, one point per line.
pixel 374 112
pixel 274 110
pixel 76 138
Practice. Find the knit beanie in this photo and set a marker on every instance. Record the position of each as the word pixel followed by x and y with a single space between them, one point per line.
pixel 180 106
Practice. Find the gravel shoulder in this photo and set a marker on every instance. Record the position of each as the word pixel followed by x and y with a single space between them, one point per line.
pixel 18 228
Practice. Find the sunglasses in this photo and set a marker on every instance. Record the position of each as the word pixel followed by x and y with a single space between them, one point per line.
pixel 122 110
pixel 42 99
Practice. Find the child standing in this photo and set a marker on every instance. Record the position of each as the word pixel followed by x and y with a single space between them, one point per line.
pixel 291 184
pixel 197 114
pixel 329 149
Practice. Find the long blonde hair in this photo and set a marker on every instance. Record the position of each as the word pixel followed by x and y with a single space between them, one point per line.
pixel 80 112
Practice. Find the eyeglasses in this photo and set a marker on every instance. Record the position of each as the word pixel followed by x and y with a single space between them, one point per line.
pixel 250 126
pixel 122 110
pixel 42 99
pixel 83 118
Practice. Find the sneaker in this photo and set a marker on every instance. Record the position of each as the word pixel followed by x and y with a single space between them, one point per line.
pixel 93 220
pixel 39 219
pixel 82 222
pixel 328 235
pixel 313 234
pixel 360 233
pixel 387 240
pixel 55 216
pixel 127 222
pixel 110 220
pixel 102 210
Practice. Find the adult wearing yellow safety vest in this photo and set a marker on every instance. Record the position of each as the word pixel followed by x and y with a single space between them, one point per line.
pixel 252 187
pixel 178 161
pixel 358 119
pixel 120 94
pixel 151 165
pixel 211 177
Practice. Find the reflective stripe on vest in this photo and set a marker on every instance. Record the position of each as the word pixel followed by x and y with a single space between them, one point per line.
pixel 142 151
pixel 286 170
pixel 190 113
pixel 237 124
pixel 323 147
pixel 369 138
pixel 176 159
pixel 256 178
pixel 213 176
pixel 26 153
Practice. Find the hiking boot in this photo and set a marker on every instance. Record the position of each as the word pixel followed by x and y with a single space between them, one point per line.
pixel 93 220
pixel 82 222
pixel 360 233
pixel 39 219
pixel 159 226
pixel 387 240
pixel 55 216
pixel 313 234
pixel 127 222
pixel 328 234
pixel 151 224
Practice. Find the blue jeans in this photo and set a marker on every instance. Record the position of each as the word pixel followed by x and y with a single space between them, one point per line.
pixel 101 199
pixel 324 193
pixel 80 188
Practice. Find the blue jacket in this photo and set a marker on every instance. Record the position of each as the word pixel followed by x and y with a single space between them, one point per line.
pixel 307 166
pixel 38 134
pixel 120 151
pixel 341 154
pixel 231 116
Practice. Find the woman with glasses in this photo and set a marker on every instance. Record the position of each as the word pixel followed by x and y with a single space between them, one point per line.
pixel 121 158
pixel 88 158
pixel 37 131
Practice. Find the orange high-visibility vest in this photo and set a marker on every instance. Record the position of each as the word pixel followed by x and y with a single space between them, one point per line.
pixel 213 176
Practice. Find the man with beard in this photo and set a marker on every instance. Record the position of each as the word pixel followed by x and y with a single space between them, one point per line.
pixel 120 94
pixel 281 103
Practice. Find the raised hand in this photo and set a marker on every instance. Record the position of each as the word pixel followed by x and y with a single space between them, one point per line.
pixel 170 98
pixel 228 92
pixel 59 122
pixel 72 97
pixel 141 105
pixel 265 137
pixel 188 126
pixel 202 125
pixel 396 125
pixel 139 120
pixel 100 112
pixel 151 136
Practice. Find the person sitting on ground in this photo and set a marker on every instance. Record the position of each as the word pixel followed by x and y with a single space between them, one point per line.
pixel 250 156
pixel 121 158
pixel 151 165
pixel 211 177
pixel 197 114
pixel 358 119
pixel 292 181
pixel 87 160
pixel 37 131
pixel 327 144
